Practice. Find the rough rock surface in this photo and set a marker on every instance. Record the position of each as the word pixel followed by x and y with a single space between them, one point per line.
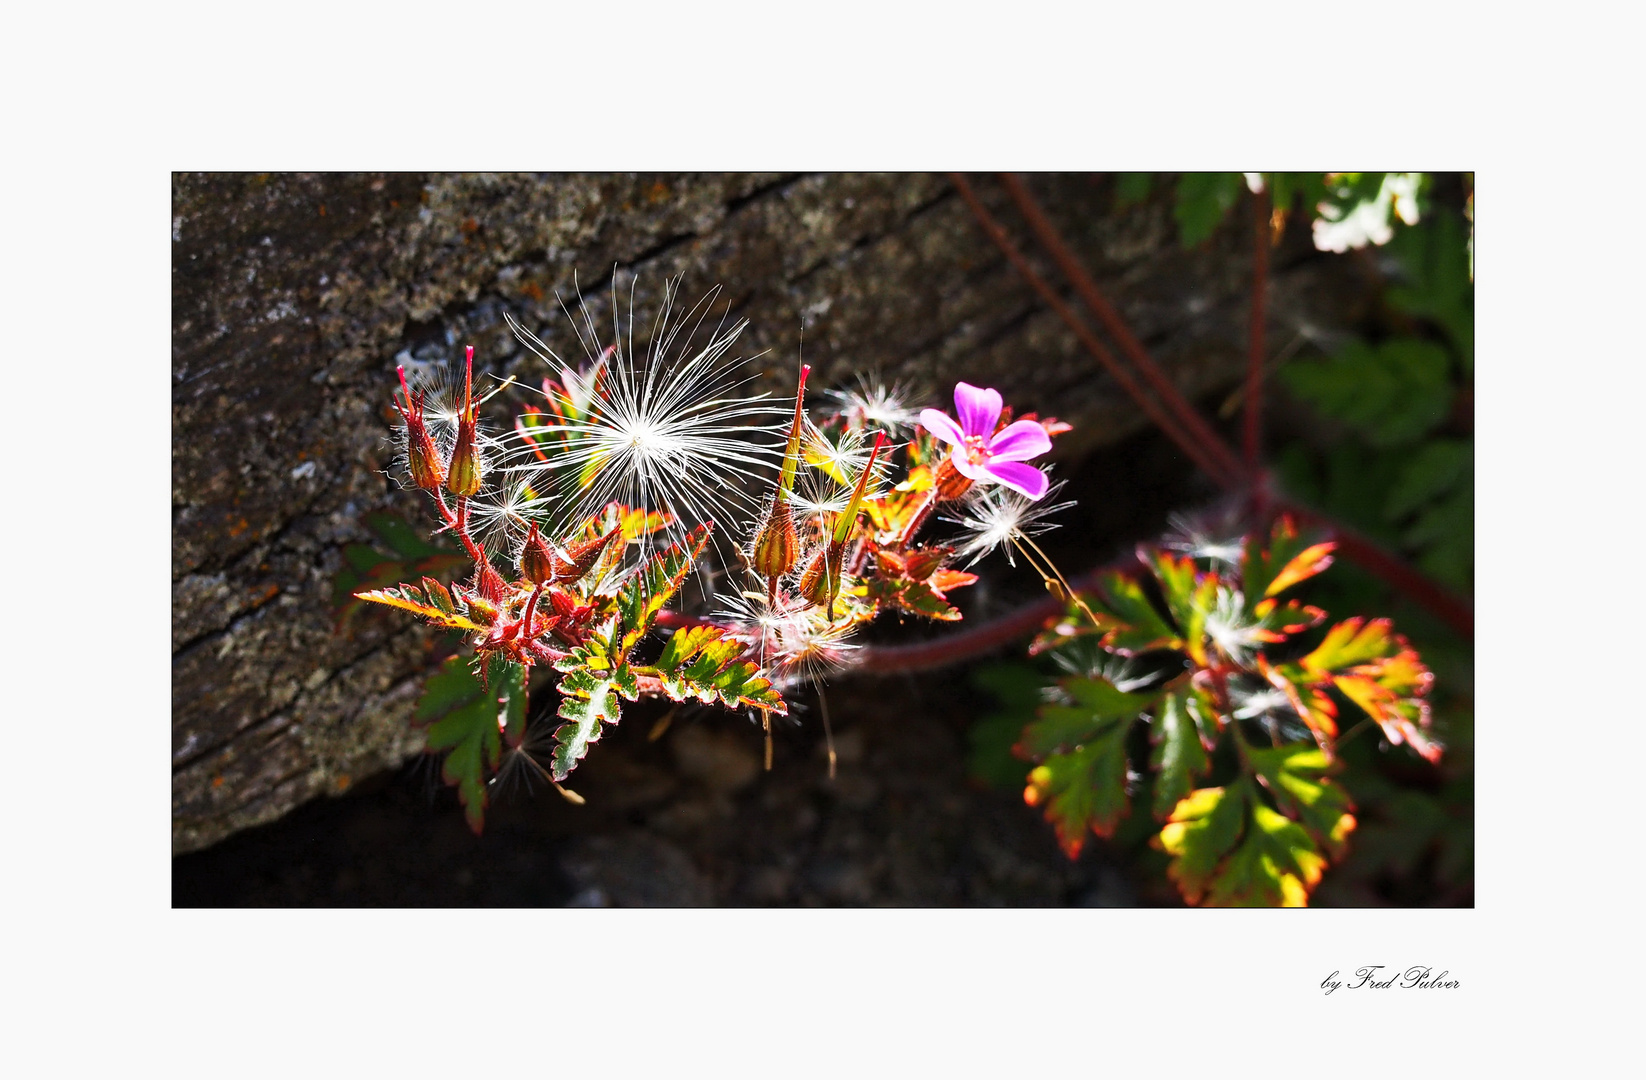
pixel 292 296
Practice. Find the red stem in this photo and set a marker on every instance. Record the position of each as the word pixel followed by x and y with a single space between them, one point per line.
pixel 1448 606
pixel 1094 299
pixel 1210 465
pixel 1254 356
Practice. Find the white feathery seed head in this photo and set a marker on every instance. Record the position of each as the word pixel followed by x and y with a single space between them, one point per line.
pixel 668 431
pixel 873 403
pixel 792 640
pixel 1235 634
pixel 993 516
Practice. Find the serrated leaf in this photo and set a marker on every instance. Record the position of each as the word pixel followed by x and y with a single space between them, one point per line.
pixel 1276 865
pixel 467 717
pixel 1178 754
pixel 1352 641
pixel 644 595
pixel 1286 559
pixel 1084 789
pixel 1305 691
pixel 1296 775
pixel 587 701
pixel 1200 832
pixel 1097 704
pixel 1176 575
pixel 700 662
pixel 411 598
pixel 1143 628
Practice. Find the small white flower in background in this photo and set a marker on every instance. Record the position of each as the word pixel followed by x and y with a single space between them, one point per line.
pixel 1368 222
pixel 995 516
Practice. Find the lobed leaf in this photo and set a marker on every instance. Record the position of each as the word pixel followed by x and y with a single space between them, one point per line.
pixel 1179 754
pixel 437 609
pixel 1200 832
pixel 1143 628
pixel 1084 789
pixel 644 595
pixel 701 662
pixel 1296 775
pixel 467 718
pixel 589 698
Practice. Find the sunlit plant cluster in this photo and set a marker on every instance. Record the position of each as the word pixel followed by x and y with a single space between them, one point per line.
pixel 1205 654
pixel 650 464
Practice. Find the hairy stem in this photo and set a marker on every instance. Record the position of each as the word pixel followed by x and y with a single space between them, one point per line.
pixel 1212 466
pixel 1090 295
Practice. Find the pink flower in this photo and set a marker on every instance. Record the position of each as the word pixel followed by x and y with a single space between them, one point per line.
pixel 983 454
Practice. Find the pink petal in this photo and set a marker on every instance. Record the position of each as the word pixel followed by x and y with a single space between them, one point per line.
pixel 942 427
pixel 1025 478
pixel 963 463
pixel 978 408
pixel 1020 442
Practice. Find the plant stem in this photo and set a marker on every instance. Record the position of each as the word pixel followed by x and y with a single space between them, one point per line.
pixel 1254 356
pixel 1452 609
pixel 1214 468
pixel 1086 288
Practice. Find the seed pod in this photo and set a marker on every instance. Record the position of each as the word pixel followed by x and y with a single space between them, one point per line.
pixel 776 545
pixel 821 581
pixel 422 460
pixel 536 558
pixel 464 477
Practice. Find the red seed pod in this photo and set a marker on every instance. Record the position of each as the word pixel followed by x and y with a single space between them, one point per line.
pixel 537 558
pixel 422 460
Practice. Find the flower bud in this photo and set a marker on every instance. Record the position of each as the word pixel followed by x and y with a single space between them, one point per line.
pixel 949 482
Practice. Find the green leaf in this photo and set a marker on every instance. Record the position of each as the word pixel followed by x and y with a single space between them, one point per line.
pixel 1296 775
pixel 1353 641
pixel 467 717
pixel 1203 199
pixel 644 595
pixel 1178 754
pixel 1275 865
pixel 1202 829
pixel 1392 393
pixel 436 609
pixel 587 700
pixel 1097 704
pixel 1084 789
pixel 1018 688
pixel 701 662
pixel 1144 629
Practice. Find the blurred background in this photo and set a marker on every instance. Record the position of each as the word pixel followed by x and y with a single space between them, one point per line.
pixel 297 777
